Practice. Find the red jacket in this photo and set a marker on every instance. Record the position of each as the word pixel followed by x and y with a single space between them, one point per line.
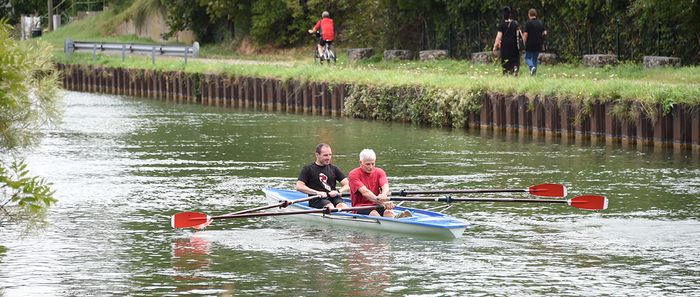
pixel 326 25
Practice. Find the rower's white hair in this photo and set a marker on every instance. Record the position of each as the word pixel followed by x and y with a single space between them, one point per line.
pixel 368 154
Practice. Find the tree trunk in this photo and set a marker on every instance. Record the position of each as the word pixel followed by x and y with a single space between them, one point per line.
pixel 50 3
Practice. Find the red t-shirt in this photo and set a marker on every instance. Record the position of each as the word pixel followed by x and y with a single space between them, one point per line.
pixel 373 181
pixel 326 25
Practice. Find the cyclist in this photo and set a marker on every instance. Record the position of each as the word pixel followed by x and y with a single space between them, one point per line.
pixel 327 31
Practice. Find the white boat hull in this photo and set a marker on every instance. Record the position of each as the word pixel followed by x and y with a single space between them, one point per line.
pixel 424 224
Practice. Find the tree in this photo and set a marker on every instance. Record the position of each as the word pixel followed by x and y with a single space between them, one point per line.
pixel 629 28
pixel 13 9
pixel 28 89
pixel 184 14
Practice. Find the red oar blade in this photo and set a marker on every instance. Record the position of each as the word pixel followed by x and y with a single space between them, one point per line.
pixel 589 202
pixel 548 190
pixel 190 219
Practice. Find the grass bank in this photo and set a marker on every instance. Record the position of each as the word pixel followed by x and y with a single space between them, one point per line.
pixel 625 83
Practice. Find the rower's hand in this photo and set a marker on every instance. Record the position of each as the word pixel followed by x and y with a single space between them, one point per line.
pixel 333 193
pixel 383 197
pixel 311 31
pixel 322 194
pixel 388 205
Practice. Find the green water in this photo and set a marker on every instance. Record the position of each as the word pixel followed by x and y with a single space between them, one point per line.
pixel 121 166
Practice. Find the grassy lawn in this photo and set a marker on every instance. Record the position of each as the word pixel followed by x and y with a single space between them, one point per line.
pixel 623 82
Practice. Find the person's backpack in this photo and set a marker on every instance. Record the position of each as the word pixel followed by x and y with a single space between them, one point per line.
pixel 518 35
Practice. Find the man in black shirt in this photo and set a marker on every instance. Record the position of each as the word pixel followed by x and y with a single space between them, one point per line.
pixel 533 36
pixel 320 177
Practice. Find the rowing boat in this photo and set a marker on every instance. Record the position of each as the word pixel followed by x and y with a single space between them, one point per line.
pixel 423 223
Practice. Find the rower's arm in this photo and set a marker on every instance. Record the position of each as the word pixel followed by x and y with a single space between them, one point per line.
pixel 344 186
pixel 301 187
pixel 368 194
pixel 385 192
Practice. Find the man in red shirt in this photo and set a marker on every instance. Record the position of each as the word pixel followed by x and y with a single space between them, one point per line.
pixel 327 31
pixel 369 186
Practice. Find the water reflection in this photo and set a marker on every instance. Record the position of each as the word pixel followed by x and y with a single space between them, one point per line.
pixel 191 255
pixel 368 263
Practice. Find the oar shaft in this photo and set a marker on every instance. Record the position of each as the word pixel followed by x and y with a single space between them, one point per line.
pixel 404 193
pixel 541 190
pixel 450 199
pixel 282 204
pixel 285 213
pixel 587 202
pixel 257 209
pixel 475 191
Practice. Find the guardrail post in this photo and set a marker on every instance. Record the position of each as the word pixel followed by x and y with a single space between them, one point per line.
pixel 68 47
pixel 94 51
pixel 153 55
pixel 123 52
pixel 187 49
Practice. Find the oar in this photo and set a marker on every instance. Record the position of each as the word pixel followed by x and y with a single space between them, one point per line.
pixel 542 190
pixel 281 204
pixel 587 202
pixel 201 220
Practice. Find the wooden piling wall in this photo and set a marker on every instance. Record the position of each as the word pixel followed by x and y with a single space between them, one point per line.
pixel 537 117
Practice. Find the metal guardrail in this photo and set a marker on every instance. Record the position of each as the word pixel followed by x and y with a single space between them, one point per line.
pixel 70 46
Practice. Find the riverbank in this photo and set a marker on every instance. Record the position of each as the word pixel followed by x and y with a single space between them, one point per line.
pixel 627 82
pixel 445 93
pixel 634 122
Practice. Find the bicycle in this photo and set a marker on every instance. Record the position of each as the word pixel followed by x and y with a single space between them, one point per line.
pixel 327 53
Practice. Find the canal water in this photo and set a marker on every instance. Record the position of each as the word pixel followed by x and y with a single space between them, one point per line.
pixel 122 166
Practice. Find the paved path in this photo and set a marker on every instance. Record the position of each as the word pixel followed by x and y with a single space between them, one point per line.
pixel 245 62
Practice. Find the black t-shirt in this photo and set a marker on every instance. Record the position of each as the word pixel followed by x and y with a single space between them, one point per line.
pixel 510 30
pixel 509 43
pixel 321 178
pixel 534 29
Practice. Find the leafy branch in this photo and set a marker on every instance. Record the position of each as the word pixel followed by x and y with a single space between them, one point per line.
pixel 18 188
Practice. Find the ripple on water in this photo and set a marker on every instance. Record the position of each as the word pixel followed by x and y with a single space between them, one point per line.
pixel 121 167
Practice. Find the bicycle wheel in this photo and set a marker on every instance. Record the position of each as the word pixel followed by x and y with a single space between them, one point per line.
pixel 331 53
pixel 326 54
